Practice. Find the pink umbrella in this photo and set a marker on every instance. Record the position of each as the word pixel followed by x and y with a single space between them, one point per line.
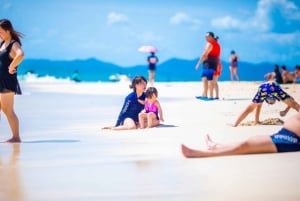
pixel 147 48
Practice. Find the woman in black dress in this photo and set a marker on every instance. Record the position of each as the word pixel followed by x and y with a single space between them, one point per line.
pixel 11 55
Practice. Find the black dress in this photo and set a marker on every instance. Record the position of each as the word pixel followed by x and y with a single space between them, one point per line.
pixel 8 82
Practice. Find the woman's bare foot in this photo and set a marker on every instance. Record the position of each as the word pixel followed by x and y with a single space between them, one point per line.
pixel 13 140
pixel 210 144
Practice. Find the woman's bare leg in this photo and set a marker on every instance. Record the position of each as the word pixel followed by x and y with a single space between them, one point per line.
pixel 7 106
pixel 254 145
pixel 236 74
pixel 128 124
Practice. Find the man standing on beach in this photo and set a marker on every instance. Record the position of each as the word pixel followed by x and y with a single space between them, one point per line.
pixel 210 59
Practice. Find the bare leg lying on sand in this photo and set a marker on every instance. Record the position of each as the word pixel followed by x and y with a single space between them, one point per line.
pixel 286 139
pixel 257 144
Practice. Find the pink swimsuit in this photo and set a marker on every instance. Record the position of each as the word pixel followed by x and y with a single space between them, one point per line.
pixel 151 108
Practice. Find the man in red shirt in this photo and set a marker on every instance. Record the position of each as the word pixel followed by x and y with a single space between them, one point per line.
pixel 210 59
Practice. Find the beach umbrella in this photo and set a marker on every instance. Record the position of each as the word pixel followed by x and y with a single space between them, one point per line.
pixel 147 48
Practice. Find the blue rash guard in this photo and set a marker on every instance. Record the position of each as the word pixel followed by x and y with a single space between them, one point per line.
pixel 131 108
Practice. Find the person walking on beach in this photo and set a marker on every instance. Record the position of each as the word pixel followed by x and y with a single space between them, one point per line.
pixel 133 105
pixel 152 60
pixel 287 139
pixel 11 55
pixel 152 115
pixel 210 59
pixel 269 92
pixel 233 59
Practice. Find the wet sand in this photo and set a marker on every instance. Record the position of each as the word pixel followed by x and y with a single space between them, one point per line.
pixel 66 156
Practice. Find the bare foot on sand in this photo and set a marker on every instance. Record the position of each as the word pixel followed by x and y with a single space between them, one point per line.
pixel 13 140
pixel 210 144
pixel 189 153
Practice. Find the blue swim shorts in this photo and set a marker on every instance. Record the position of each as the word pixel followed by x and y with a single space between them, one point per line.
pixel 208 73
pixel 286 141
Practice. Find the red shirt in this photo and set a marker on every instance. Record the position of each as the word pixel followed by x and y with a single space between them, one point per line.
pixel 216 50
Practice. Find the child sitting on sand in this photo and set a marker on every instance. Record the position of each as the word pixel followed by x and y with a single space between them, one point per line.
pixel 152 114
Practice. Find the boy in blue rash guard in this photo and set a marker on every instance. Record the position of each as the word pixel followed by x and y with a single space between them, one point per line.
pixel 285 140
pixel 133 105
pixel 269 92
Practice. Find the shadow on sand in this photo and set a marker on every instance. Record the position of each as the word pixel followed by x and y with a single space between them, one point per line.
pixel 166 126
pixel 52 141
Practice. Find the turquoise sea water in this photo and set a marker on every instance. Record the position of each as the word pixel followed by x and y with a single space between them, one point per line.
pixel 174 70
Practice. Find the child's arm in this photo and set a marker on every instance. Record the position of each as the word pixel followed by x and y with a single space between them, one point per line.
pixel 160 112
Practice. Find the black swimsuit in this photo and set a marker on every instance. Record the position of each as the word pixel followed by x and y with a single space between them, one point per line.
pixel 8 82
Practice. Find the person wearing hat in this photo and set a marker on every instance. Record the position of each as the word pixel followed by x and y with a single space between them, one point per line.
pixel 233 59
pixel 210 59
pixel 270 92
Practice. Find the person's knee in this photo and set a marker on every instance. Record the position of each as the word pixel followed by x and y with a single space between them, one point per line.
pixel 131 127
pixel 243 147
pixel 7 111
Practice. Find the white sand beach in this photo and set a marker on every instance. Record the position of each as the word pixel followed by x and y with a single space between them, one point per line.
pixel 65 156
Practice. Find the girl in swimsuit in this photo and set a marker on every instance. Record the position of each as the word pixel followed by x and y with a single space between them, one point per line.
pixel 152 114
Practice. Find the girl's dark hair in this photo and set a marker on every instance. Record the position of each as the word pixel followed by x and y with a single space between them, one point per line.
pixel 150 91
pixel 136 80
pixel 7 26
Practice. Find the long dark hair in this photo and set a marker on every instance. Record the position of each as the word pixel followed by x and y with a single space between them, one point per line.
pixel 7 26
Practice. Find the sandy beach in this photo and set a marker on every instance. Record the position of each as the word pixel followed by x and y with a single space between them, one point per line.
pixel 65 156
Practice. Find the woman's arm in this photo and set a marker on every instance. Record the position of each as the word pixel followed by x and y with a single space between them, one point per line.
pixel 18 55
pixel 123 111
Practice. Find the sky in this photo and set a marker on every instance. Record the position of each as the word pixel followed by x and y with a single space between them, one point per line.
pixel 113 30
